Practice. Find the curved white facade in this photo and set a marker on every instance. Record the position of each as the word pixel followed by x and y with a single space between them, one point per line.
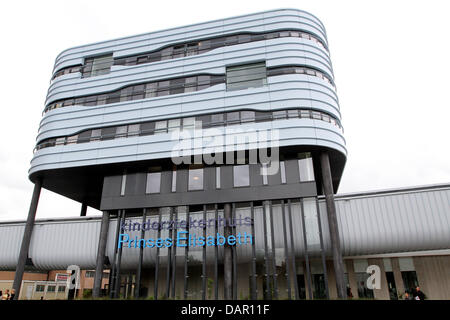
pixel 281 92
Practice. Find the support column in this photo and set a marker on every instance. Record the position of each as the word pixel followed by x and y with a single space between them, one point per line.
pixel 101 254
pixel 83 210
pixel 327 184
pixel 23 254
pixel 137 292
pixel 228 255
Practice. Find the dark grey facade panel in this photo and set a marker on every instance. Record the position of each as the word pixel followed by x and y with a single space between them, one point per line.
pixel 242 194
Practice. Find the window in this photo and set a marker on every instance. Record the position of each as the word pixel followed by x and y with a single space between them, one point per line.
pixel 90 274
pixel 232 117
pixel 188 123
pixel 163 88
pixel 133 129
pixel 121 132
pixel 97 66
pixel 247 116
pixel 203 82
pixel 51 288
pixel 217 177
pixel 292 113
pixel 61 288
pixel 264 174
pixel 195 178
pixel 147 128
pixel 177 85
pixel 40 288
pixel 174 124
pixel 217 119
pixel 138 92
pixel 174 180
pixel 150 89
pixel 153 180
pixel 161 126
pixel 246 76
pixel 283 172
pixel 96 134
pixel 279 114
pixel 241 176
pixel 190 84
pixel 124 182
pixel 305 167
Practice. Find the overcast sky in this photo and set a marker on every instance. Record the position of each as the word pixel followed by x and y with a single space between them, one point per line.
pixel 391 62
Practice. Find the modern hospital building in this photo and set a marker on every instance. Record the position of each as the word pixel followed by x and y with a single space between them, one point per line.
pixel 214 152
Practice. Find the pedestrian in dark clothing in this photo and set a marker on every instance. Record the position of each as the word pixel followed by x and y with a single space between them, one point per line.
pixel 349 292
pixel 418 295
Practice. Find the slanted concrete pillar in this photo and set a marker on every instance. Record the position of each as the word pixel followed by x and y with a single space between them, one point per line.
pixel 101 254
pixel 23 254
pixel 327 184
pixel 83 210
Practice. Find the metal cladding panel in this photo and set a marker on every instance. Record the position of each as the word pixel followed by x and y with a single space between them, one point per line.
pixel 390 223
pixel 56 245
pixel 291 132
pixel 258 22
pixel 371 223
pixel 276 52
pixel 11 239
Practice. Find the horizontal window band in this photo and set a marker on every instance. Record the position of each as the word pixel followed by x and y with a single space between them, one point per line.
pixel 190 48
pixel 179 85
pixel 187 123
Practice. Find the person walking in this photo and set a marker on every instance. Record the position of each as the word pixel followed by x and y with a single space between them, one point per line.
pixel 13 294
pixel 5 296
pixel 418 295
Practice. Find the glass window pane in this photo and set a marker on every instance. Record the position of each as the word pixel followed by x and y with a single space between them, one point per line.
pixel 174 124
pixel 125 94
pixel 138 92
pixel 161 126
pixel 241 176
pixel 177 85
pixel 101 65
pixel 283 172
pixel 121 132
pixel 133 129
pixel 264 172
pixel 217 119
pixel 166 53
pixel 124 182
pixel 188 123
pixel 292 113
pixel 316 115
pixel 96 134
pixel 153 182
pixel 191 84
pixel 150 89
pixel 246 76
pixel 279 114
pixel 163 88
pixel 217 177
pixel 203 82
pixel 305 113
pixel 247 116
pixel 195 179
pixel 174 180
pixel 147 128
pixel 305 166
pixel 233 117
